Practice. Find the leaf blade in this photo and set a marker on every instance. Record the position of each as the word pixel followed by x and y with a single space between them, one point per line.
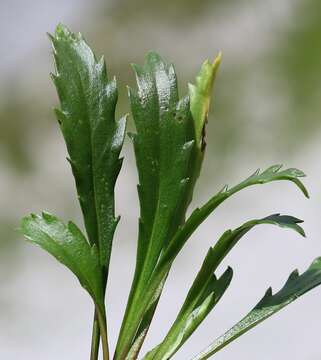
pixel 163 145
pixel 69 246
pixel 200 95
pixel 93 137
pixel 271 174
pixel 204 294
pixel 187 321
pixel 296 286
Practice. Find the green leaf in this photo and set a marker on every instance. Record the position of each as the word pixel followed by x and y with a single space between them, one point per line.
pixel 273 173
pixel 231 237
pixel 200 97
pixel 169 156
pixel 164 142
pixel 69 246
pixel 145 323
pixel 296 286
pixel 93 137
pixel 169 254
pixel 198 296
pixel 204 294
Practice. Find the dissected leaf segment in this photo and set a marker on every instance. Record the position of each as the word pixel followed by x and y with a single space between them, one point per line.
pixel 169 144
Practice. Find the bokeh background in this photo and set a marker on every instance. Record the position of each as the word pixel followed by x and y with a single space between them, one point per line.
pixel 266 110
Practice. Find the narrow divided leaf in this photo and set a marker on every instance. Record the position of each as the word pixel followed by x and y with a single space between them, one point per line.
pixel 69 246
pixel 169 254
pixel 271 174
pixel 274 173
pixel 93 137
pixel 183 326
pixel 231 237
pixel 204 294
pixel 296 286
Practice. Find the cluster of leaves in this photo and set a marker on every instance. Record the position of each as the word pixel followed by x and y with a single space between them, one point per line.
pixel 169 146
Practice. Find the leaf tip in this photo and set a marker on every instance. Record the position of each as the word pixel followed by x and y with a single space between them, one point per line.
pixel 217 60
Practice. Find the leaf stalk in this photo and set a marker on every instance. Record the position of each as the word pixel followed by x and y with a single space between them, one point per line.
pixel 95 341
pixel 103 331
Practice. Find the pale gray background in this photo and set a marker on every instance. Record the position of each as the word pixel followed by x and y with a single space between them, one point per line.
pixel 266 111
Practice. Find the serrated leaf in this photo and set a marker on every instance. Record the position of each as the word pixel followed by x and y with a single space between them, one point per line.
pixel 274 173
pixel 271 174
pixel 231 237
pixel 164 142
pixel 185 323
pixel 169 254
pixel 296 286
pixel 204 294
pixel 169 156
pixel 70 247
pixel 199 106
pixel 93 137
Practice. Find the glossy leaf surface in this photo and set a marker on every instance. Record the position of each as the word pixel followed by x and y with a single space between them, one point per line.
pixel 169 143
pixel 92 135
pixel 163 145
pixel 168 162
pixel 69 246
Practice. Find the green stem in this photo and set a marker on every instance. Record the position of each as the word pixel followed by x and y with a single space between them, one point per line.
pixel 141 299
pixel 96 331
pixel 103 333
pixel 95 341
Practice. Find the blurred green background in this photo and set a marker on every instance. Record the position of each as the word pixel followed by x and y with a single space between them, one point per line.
pixel 266 110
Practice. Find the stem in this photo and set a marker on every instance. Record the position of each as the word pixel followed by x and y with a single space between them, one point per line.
pixel 136 311
pixel 96 331
pixel 95 341
pixel 103 332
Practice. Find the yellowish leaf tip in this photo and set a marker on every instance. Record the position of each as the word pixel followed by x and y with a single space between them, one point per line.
pixel 217 60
